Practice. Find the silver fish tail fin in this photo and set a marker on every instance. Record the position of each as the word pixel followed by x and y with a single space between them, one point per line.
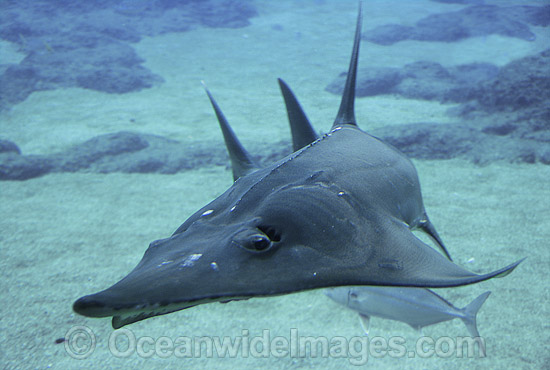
pixel 470 316
pixel 470 313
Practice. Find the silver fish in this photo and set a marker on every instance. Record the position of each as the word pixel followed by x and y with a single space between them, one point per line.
pixel 417 307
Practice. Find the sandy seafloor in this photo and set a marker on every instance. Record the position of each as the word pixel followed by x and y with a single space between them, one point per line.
pixel 67 235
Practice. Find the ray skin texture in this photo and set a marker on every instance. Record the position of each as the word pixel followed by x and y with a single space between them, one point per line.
pixel 338 211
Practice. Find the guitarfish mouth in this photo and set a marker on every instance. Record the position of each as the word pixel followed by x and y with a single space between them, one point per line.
pixel 99 305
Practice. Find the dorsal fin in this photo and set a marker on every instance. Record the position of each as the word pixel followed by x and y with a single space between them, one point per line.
pixel 300 127
pixel 346 113
pixel 241 161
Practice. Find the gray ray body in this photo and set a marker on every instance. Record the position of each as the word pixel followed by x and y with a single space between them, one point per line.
pixel 338 211
pixel 417 307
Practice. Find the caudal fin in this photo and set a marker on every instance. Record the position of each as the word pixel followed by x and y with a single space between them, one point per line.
pixel 470 316
pixel 470 313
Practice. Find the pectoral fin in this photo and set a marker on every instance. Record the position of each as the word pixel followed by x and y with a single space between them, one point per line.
pixel 407 261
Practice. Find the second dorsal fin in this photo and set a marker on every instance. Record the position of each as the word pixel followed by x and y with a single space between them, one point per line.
pixel 300 127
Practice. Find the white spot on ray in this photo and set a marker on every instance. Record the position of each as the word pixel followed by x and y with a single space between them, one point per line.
pixel 190 260
pixel 214 266
pixel 206 213
pixel 164 263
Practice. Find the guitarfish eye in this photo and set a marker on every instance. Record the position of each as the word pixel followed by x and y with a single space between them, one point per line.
pixel 261 243
pixel 270 232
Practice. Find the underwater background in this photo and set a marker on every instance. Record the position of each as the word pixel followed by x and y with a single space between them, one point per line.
pixel 108 142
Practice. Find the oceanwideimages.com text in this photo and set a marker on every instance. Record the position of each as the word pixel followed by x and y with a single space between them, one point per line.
pixel 80 342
